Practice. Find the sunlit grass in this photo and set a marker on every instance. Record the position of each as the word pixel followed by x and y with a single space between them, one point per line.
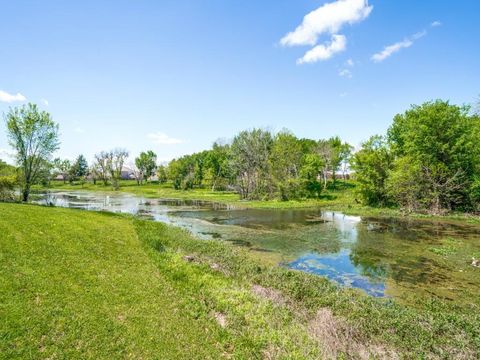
pixel 77 284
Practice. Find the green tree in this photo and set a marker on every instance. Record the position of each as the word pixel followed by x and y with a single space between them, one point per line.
pixel 115 161
pixel 440 141
pixel 146 163
pixel 8 181
pixel 34 136
pixel 372 164
pixel 285 162
pixel 250 158
pixel 82 166
pixel 218 163
pixel 62 168
pixel 162 174
pixel 102 166
pixel 79 169
pixel 312 165
pixel 345 157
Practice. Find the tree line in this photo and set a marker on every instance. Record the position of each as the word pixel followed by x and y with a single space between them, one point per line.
pixel 259 164
pixel 429 160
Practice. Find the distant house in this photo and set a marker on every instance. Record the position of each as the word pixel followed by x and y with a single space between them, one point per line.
pixel 60 177
pixel 127 174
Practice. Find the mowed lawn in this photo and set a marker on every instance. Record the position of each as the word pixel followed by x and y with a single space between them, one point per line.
pixel 77 284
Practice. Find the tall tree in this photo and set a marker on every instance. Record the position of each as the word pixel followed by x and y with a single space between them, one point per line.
pixel 440 141
pixel 82 166
pixel 34 136
pixel 146 163
pixel 372 164
pixel 116 159
pixel 218 163
pixel 286 161
pixel 102 161
pixel 162 174
pixel 250 155
pixel 62 168
pixel 326 154
pixel 345 156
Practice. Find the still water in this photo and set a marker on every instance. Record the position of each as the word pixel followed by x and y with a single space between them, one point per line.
pixel 390 257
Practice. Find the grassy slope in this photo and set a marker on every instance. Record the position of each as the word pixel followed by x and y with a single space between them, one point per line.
pixel 78 284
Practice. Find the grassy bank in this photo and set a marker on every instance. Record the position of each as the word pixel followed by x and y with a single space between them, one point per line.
pixel 342 199
pixel 78 284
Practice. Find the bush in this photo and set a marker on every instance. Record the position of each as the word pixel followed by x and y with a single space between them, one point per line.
pixel 7 187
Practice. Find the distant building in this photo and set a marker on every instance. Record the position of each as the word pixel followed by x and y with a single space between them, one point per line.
pixel 127 174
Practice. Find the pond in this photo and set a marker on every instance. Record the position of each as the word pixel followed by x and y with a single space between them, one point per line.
pixel 386 257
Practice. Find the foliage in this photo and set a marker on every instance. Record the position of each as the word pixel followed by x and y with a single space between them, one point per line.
pixel 34 136
pixel 250 159
pixel 146 162
pixel 101 166
pixel 115 160
pixel 262 165
pixel 8 181
pixel 442 140
pixel 162 174
pixel 109 165
pixel 62 168
pixel 79 169
pixel 218 165
pixel 372 164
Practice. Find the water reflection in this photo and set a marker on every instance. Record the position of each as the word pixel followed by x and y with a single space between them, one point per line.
pixel 384 257
pixel 341 269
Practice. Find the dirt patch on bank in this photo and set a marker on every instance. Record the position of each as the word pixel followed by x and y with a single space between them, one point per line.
pixel 270 294
pixel 336 337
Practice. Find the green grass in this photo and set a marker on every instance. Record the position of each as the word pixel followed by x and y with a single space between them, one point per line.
pixel 77 284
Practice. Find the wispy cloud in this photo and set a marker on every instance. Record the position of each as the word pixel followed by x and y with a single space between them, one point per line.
pixel 394 48
pixel 327 19
pixel 436 23
pixel 45 102
pixel 345 73
pixel 324 51
pixel 163 139
pixel 9 98
pixel 345 69
pixel 79 130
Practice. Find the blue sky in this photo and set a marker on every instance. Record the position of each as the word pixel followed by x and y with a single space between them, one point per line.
pixel 174 75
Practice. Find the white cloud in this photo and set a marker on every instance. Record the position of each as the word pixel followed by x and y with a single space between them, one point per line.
pixel 79 130
pixel 419 35
pixel 345 73
pixel 328 18
pixel 9 98
pixel 45 102
pixel 392 49
pixel 324 51
pixel 163 139
pixel 436 23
